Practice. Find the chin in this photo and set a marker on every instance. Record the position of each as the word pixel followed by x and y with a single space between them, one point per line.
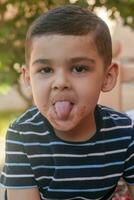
pixel 63 125
pixel 69 123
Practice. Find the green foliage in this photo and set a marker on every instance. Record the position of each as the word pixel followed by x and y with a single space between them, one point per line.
pixel 5 119
pixel 17 15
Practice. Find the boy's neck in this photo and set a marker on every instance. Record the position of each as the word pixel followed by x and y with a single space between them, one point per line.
pixel 81 133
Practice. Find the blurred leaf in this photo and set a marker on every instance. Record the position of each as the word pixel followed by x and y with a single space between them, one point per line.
pixel 4 88
pixel 17 15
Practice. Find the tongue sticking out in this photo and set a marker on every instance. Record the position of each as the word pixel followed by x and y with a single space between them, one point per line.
pixel 63 109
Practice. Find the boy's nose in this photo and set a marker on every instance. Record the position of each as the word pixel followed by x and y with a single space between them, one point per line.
pixel 61 82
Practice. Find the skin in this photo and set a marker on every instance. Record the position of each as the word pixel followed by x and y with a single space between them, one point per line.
pixel 57 72
pixel 66 68
pixel 21 194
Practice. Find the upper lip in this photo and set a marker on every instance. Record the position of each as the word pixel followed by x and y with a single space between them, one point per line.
pixel 63 97
pixel 62 100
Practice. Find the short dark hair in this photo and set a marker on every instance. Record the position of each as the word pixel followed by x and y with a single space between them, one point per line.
pixel 72 20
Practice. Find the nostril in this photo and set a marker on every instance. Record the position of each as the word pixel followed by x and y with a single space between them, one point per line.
pixel 55 87
pixel 61 86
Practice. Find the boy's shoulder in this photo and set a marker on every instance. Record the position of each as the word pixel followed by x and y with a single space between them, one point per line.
pixel 30 115
pixel 30 120
pixel 111 117
pixel 108 111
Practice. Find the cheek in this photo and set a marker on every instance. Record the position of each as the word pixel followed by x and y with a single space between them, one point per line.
pixel 40 92
pixel 89 93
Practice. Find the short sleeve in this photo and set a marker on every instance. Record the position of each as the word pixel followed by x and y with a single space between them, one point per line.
pixel 129 163
pixel 17 171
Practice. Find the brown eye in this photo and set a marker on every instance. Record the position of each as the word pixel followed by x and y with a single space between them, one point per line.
pixel 46 70
pixel 79 69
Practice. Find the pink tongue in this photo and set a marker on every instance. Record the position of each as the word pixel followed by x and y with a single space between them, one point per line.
pixel 63 109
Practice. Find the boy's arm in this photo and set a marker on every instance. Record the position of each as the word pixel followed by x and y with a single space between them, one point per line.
pixel 131 190
pixel 21 194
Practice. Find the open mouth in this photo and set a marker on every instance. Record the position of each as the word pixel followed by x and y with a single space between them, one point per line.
pixel 63 109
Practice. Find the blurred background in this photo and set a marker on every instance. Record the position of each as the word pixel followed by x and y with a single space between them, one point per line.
pixel 15 18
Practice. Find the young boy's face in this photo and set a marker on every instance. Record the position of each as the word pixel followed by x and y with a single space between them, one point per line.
pixel 66 74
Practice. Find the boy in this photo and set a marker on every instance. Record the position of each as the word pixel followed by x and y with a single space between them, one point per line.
pixel 68 147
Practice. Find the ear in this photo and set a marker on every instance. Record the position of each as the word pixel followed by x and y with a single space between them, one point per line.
pixel 111 74
pixel 25 75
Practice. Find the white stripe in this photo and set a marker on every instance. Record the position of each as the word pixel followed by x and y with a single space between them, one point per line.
pixel 17 164
pixel 29 132
pixel 132 176
pixel 17 175
pixel 12 130
pixel 79 178
pixel 44 177
pixel 15 152
pixel 80 190
pixel 110 198
pixel 43 197
pixel 131 144
pixel 83 198
pixel 76 166
pixel 75 155
pixel 33 117
pixel 17 187
pixel 33 123
pixel 114 117
pixel 130 183
pixel 129 157
pixel 115 128
pixel 34 133
pixel 129 168
pixel 88 178
pixel 106 108
pixel 29 110
pixel 108 152
pixel 68 144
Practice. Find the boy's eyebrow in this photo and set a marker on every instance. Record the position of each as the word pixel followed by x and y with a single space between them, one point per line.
pixel 77 59
pixel 72 60
pixel 41 61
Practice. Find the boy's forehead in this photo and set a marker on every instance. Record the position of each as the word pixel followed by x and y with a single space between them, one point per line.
pixel 61 49
pixel 57 41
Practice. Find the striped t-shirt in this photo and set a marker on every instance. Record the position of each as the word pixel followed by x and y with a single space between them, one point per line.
pixel 36 157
